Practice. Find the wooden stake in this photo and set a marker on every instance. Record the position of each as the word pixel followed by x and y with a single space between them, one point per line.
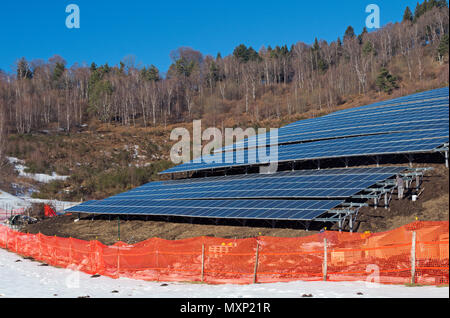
pixel 413 258
pixel 203 261
pixel 256 263
pixel 118 261
pixel 325 264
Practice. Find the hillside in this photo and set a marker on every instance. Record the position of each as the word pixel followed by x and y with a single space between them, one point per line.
pixel 108 127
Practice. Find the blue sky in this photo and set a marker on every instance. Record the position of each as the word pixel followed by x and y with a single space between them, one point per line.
pixel 150 30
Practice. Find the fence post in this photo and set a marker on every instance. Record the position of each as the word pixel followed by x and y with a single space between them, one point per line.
pixel 413 258
pixel 256 262
pixel 203 261
pixel 70 251
pixel 7 230
pixel 118 261
pixel 325 263
pixel 40 246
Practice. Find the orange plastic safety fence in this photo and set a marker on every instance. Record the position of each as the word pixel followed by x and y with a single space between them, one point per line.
pixel 385 257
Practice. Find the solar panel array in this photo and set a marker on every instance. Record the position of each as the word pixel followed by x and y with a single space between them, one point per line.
pixel 332 183
pixel 297 195
pixel 410 124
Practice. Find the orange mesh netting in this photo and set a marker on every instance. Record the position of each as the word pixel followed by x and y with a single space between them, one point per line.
pixel 387 257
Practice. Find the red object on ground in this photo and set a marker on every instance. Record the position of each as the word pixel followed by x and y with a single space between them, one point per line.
pixel 49 211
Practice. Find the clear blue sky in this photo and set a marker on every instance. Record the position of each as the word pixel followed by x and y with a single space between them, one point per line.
pixel 150 30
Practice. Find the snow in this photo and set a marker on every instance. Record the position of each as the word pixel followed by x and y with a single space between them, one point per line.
pixel 10 202
pixel 40 177
pixel 28 279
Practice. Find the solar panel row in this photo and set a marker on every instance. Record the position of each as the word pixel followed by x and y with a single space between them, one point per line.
pixel 227 209
pixel 431 95
pixel 247 195
pixel 396 143
pixel 409 124
pixel 382 120
pixel 334 183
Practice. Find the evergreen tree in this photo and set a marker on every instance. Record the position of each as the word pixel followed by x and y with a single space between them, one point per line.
pixel 367 48
pixel 150 74
pixel 386 81
pixel 244 54
pixel 23 69
pixel 443 47
pixel 319 62
pixel 349 33
pixel 361 36
pixel 58 71
pixel 407 16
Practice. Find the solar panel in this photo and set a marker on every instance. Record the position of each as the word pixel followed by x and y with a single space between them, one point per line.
pixel 227 209
pixel 427 96
pixel 420 116
pixel 332 183
pixel 396 143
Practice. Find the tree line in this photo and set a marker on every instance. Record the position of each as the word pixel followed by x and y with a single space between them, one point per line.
pixel 270 82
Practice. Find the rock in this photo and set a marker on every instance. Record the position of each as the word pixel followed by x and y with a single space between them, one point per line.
pixel 307 295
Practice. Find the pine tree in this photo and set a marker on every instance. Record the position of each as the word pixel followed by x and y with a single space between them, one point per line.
pixel 349 33
pixel 23 69
pixel 386 81
pixel 443 47
pixel 150 74
pixel 407 16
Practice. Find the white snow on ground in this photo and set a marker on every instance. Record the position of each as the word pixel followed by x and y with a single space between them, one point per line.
pixel 10 202
pixel 40 177
pixel 28 279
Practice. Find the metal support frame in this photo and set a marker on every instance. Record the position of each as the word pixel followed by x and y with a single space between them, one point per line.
pixel 444 149
pixel 387 187
pixel 377 160
pixel 348 211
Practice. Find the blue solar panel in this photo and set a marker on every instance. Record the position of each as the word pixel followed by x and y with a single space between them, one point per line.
pixel 432 95
pixel 205 197
pixel 400 118
pixel 397 143
pixel 228 209
pixel 330 183
pixel 409 124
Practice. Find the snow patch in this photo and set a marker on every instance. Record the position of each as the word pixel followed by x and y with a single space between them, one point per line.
pixel 27 279
pixel 40 177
